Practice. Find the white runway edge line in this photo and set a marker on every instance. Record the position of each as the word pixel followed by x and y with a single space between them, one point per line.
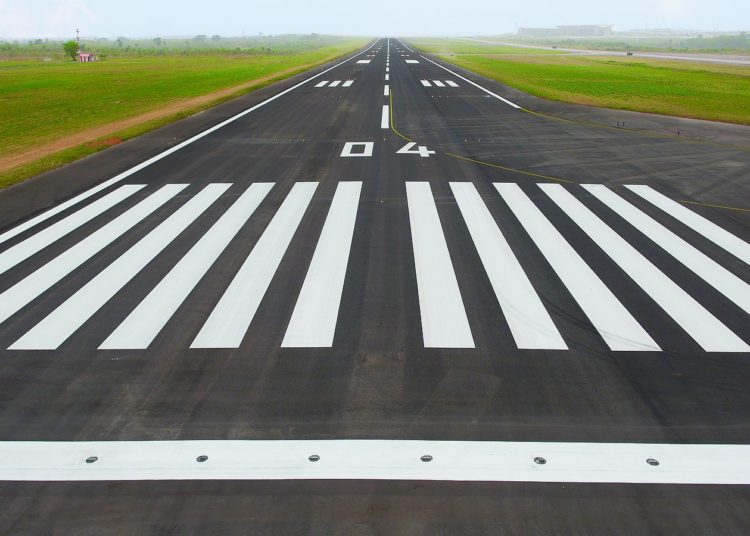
pixel 506 101
pixel 702 326
pixel 384 117
pixel 127 173
pixel 722 238
pixel 228 322
pixel 618 328
pixel 26 290
pixel 375 459
pixel 731 286
pixel 61 323
pixel 35 243
pixel 444 321
pixel 528 320
pixel 145 322
pixel 313 322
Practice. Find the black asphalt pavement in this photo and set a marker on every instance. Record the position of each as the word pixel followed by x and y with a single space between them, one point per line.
pixel 380 378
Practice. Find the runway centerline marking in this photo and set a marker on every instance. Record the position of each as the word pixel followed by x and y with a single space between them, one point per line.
pixel 384 117
pixel 33 285
pixel 313 321
pixel 145 322
pixel 702 326
pixel 230 319
pixel 615 324
pixel 386 90
pixel 527 318
pixel 444 321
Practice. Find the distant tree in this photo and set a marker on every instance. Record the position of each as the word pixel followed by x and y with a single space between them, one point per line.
pixel 200 38
pixel 71 49
pixel 121 41
pixel 215 38
pixel 157 41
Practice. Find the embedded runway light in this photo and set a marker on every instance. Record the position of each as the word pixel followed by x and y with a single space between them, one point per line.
pixel 652 461
pixel 426 458
pixel 539 460
pixel 202 458
pixel 91 459
pixel 313 458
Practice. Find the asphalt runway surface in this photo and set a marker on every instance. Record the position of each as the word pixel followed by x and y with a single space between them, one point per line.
pixel 389 250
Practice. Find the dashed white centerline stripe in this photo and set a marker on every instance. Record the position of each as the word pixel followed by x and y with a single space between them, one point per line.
pixel 228 322
pixel 722 238
pixel 702 326
pixel 145 322
pixel 444 321
pixel 386 90
pixel 384 117
pixel 23 292
pixel 387 77
pixel 614 323
pixel 313 322
pixel 42 239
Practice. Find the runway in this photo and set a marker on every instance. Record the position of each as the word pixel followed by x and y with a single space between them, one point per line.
pixel 384 249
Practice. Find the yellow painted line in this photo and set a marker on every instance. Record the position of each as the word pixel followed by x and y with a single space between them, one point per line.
pixel 725 207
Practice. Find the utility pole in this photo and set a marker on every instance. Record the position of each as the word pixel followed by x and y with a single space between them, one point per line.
pixel 78 39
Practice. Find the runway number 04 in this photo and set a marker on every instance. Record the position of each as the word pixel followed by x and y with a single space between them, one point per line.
pixel 409 149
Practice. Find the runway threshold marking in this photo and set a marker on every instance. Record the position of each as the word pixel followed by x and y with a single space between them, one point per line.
pixel 527 318
pixel 228 322
pixel 444 321
pixel 322 83
pixel 702 326
pixel 35 243
pixel 348 83
pixel 618 328
pixel 33 285
pixel 61 323
pixel 719 236
pixel 724 281
pixel 313 321
pixel 375 459
pixel 145 322
pixel 20 228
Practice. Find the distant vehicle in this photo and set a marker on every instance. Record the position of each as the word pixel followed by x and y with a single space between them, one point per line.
pixel 630 53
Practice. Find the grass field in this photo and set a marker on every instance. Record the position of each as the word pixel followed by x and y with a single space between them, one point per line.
pixel 462 46
pixel 697 90
pixel 43 103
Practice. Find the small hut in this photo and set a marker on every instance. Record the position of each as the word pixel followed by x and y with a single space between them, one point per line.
pixel 85 57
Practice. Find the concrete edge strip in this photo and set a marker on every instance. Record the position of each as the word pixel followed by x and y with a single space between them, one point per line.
pixel 13 231
pixel 477 461
pixel 506 101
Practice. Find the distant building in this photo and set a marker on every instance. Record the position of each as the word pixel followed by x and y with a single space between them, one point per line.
pixel 581 30
pixel 86 57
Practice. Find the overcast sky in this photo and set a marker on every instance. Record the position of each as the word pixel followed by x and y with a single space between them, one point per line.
pixel 149 18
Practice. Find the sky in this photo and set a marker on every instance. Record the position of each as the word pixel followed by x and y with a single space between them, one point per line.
pixel 152 18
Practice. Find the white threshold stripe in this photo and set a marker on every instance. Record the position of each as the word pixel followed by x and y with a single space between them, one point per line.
pixel 615 324
pixel 702 326
pixel 348 83
pixel 451 83
pixel 438 83
pixel 719 236
pixel 228 322
pixel 506 101
pixel 528 320
pixel 375 459
pixel 61 323
pixel 386 90
pixel 444 321
pixel 731 286
pixel 426 83
pixel 335 83
pixel 127 173
pixel 35 243
pixel 145 322
pixel 384 119
pixel 313 322
pixel 322 83
pixel 26 290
